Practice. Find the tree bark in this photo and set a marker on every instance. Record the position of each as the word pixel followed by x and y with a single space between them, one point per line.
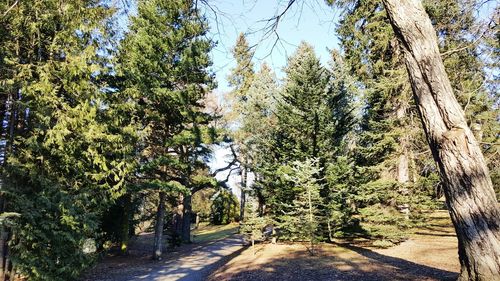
pixel 186 219
pixel 243 193
pixel 125 225
pixel 160 216
pixel 178 217
pixel 468 188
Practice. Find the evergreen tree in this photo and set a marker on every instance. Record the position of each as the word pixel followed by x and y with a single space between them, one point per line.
pixel 302 217
pixel 392 147
pixel 224 207
pixel 242 74
pixel 240 79
pixel 258 123
pixel 314 114
pixel 66 162
pixel 164 63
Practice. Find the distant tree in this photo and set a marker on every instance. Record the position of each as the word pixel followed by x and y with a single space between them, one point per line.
pixel 224 208
pixel 240 78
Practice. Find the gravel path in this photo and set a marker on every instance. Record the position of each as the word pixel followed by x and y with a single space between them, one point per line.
pixel 188 263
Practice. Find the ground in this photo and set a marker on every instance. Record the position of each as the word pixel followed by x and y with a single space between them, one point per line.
pixel 430 254
pixel 218 254
pixel 211 247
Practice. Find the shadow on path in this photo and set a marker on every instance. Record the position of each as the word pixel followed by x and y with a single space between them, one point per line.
pixel 192 264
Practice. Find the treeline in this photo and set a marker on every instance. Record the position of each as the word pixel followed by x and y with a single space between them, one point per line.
pixel 101 130
pixel 339 150
pixel 105 131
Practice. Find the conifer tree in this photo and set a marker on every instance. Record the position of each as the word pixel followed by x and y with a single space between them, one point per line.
pixel 240 79
pixel 437 100
pixel 66 162
pixel 392 146
pixel 164 62
pixel 302 217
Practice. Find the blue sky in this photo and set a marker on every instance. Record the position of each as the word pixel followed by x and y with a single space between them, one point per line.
pixel 311 21
pixel 308 20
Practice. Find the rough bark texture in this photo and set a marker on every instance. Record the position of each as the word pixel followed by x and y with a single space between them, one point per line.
pixel 125 225
pixel 178 217
pixel 467 185
pixel 186 219
pixel 243 193
pixel 160 215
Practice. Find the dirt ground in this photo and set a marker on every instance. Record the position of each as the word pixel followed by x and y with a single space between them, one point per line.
pixel 430 254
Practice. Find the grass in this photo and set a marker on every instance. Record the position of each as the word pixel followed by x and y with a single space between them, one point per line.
pixel 207 232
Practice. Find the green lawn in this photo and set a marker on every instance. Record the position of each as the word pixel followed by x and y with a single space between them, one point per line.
pixel 206 232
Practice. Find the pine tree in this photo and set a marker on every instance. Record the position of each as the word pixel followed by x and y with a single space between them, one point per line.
pixel 241 75
pixel 444 18
pixel 314 114
pixel 240 79
pixel 392 146
pixel 164 63
pixel 257 124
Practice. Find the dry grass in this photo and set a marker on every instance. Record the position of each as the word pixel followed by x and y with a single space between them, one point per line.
pixel 430 254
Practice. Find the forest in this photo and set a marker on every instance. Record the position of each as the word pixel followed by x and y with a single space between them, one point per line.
pixel 112 123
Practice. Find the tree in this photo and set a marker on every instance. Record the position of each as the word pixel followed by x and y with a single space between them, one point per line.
pixel 258 121
pixel 389 146
pixel 69 160
pixel 467 184
pixel 303 216
pixel 224 207
pixel 314 113
pixel 468 188
pixel 241 78
pixel 164 64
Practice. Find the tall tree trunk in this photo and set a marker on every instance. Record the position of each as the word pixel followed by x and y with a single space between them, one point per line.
pixel 186 219
pixel 178 217
pixel 468 188
pixel 243 193
pixel 160 216
pixel 4 235
pixel 125 225
pixel 403 170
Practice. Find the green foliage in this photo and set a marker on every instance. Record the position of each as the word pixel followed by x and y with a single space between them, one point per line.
pixel 242 74
pixel 301 218
pixel 202 203
pixel 163 63
pixel 225 208
pixel 253 224
pixel 67 155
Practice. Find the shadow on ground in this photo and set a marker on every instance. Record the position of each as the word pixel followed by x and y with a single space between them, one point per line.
pixel 339 262
pixel 189 263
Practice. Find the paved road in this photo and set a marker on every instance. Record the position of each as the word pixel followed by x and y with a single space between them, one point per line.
pixel 192 265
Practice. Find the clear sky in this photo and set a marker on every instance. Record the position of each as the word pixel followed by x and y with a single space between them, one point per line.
pixel 308 20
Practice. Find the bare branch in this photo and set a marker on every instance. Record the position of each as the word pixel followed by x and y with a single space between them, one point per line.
pixel 10 8
pixel 229 165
